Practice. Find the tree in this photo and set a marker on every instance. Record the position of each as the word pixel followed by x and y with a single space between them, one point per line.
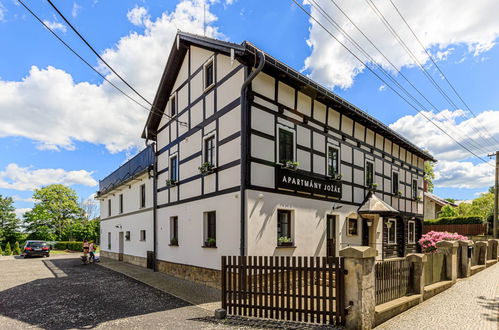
pixel 1 251
pixel 55 211
pixel 447 211
pixel 91 207
pixel 429 174
pixel 17 249
pixel 451 200
pixel 8 250
pixel 9 223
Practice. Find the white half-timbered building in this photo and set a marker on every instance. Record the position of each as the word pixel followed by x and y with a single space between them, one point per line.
pixel 254 158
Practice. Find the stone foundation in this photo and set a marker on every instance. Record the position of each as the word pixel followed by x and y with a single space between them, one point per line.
pixel 134 260
pixel 206 276
pixel 110 255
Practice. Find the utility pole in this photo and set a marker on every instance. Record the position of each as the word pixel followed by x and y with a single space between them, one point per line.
pixel 496 194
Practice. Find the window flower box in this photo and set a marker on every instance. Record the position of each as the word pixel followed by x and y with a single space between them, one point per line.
pixel 336 177
pixel 173 241
pixel 210 242
pixel 171 183
pixel 373 187
pixel 290 165
pixel 206 168
pixel 284 241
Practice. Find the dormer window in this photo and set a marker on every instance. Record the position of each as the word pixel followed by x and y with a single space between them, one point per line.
pixel 209 73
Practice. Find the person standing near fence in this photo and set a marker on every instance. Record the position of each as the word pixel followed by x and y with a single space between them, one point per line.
pixel 91 251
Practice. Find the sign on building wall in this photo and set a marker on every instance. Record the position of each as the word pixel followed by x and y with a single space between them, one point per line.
pixel 300 181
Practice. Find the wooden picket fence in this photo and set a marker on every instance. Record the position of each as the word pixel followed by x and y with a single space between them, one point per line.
pixel 392 280
pixel 304 289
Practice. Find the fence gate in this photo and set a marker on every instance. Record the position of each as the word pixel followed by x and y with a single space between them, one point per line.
pixel 392 280
pixel 304 289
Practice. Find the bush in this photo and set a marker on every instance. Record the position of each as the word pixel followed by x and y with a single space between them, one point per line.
pixel 8 250
pixel 429 241
pixel 1 251
pixel 73 246
pixel 17 249
pixel 455 220
pixel 60 245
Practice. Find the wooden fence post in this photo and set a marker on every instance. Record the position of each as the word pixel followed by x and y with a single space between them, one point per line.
pixel 449 249
pixel 418 262
pixel 359 286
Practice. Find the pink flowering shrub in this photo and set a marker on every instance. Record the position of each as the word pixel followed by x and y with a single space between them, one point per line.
pixel 429 241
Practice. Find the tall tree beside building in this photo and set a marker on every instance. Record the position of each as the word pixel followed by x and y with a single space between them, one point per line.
pixel 9 223
pixel 54 213
pixel 429 174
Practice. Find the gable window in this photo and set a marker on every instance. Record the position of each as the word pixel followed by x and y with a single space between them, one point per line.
pixel 284 235
pixel 174 168
pixel 333 162
pixel 352 226
pixel 121 203
pixel 414 189
pixel 210 229
pixel 174 231
pixel 142 196
pixel 391 224
pixel 142 235
pixel 127 236
pixel 109 241
pixel 286 141
pixel 209 74
pixel 411 235
pixel 369 174
pixel 109 207
pixel 173 105
pixel 395 183
pixel 209 150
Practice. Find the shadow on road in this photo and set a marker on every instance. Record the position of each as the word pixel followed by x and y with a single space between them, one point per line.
pixel 492 305
pixel 81 296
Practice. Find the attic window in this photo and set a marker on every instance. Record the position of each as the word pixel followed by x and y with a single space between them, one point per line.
pixel 209 74
pixel 173 105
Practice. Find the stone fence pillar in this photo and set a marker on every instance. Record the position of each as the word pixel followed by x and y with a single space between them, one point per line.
pixel 418 261
pixel 492 249
pixel 449 249
pixel 481 252
pixel 464 264
pixel 359 286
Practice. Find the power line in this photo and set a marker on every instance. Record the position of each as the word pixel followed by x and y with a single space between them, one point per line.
pixel 380 78
pixel 438 67
pixel 81 58
pixel 428 76
pixel 332 21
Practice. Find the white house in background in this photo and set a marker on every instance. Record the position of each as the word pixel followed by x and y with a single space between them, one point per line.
pixel 126 210
pixel 433 205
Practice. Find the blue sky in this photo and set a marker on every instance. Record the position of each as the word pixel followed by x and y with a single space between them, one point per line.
pixel 61 124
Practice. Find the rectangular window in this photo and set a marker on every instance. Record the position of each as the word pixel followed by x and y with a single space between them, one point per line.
pixel 333 161
pixel 121 203
pixel 173 106
pixel 127 236
pixel 284 235
pixel 353 226
pixel 109 207
pixel 142 235
pixel 174 168
pixel 395 183
pixel 414 189
pixel 210 229
pixel 392 231
pixel 411 234
pixel 209 74
pixel 286 145
pixel 209 150
pixel 173 230
pixel 369 173
pixel 142 196
pixel 109 241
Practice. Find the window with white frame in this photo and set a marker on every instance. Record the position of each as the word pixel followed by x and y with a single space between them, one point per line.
pixel 286 144
pixel 173 105
pixel 411 232
pixel 210 229
pixel 174 168
pixel 127 235
pixel 209 73
pixel 333 161
pixel 109 241
pixel 414 189
pixel 284 234
pixel 142 196
pixel 121 203
pixel 395 183
pixel 142 235
pixel 109 207
pixel 209 152
pixel 352 226
pixel 174 231
pixel 391 225
pixel 369 173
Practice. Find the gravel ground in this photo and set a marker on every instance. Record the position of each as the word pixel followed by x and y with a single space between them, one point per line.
pixel 472 303
pixel 61 293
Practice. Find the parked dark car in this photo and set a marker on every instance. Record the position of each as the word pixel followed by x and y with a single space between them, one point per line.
pixel 36 248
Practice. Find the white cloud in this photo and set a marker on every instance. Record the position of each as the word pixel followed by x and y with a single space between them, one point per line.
pixel 20 199
pixel 20 212
pixel 75 10
pixel 55 25
pixel 27 178
pixel 138 15
pixel 464 174
pixel 57 111
pixel 438 24
pixel 382 88
pixel 3 10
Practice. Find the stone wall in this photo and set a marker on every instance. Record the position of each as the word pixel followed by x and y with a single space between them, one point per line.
pixel 110 255
pixel 210 277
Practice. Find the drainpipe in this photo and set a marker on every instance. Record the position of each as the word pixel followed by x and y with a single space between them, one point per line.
pixel 244 143
pixel 155 202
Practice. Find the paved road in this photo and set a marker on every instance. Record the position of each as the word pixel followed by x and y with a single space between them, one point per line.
pixel 60 293
pixel 472 303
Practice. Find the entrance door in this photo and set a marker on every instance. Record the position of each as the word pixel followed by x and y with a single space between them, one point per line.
pixel 121 246
pixel 331 235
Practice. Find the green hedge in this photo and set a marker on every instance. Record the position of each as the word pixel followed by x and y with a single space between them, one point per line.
pixel 455 221
pixel 73 246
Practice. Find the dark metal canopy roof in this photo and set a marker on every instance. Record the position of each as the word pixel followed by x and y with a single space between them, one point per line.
pixel 246 53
